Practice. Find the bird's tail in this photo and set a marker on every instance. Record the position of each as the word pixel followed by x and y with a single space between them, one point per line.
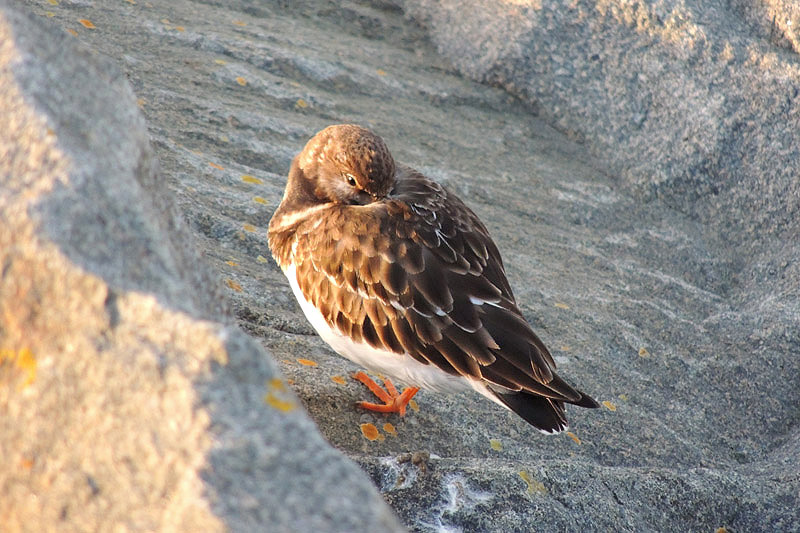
pixel 545 414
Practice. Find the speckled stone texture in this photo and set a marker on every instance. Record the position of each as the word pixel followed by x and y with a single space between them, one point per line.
pixel 646 217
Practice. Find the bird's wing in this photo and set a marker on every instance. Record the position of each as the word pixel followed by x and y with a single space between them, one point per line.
pixel 418 273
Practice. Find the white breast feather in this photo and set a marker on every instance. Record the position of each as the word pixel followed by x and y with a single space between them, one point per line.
pixel 396 366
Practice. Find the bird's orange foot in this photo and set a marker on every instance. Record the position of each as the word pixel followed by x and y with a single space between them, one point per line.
pixel 392 401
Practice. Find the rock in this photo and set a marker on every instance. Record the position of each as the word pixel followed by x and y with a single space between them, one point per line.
pixel 128 400
pixel 679 314
pixel 697 107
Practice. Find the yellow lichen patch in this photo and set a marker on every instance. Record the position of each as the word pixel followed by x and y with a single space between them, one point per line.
pixel 496 445
pixel 180 28
pixel 561 305
pixel 574 437
pixel 623 397
pixel 261 259
pixel 132 2
pixel 247 178
pixel 278 397
pixel 260 200
pixel 566 348
pixel 534 486
pixel 413 404
pixel 339 379
pixel 381 72
pixel 214 165
pixel 232 263
pixel 164 21
pixel 49 14
pixel 301 104
pixel 643 352
pixel 140 102
pixel 241 81
pixel 610 406
pixel 370 432
pixel 52 2
pixel 390 429
pixel 233 285
pixel 248 227
pixel 220 62
pixel 72 32
pixel 307 362
pixel 722 529
pixel 239 23
pixel 22 361
pixel 86 23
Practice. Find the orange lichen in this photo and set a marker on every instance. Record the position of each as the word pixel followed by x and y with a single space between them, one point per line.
pixel 534 486
pixel 565 348
pixel 390 429
pixel 413 404
pixel 87 23
pixel 302 104
pixel 277 396
pixel 72 32
pixel 381 72
pixel 370 432
pixel 22 361
pixel 52 2
pixel 574 437
pixel 338 379
pixel 231 263
pixel 248 227
pixel 307 362
pixel 610 406
pixel 247 178
pixel 218 167
pixel 233 285
pixel 260 200
pixel 241 81
pixel 240 23
pixel 643 352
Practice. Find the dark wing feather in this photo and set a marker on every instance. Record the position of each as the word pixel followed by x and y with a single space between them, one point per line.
pixel 418 273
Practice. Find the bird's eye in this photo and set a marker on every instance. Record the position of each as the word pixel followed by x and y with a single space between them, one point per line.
pixel 350 180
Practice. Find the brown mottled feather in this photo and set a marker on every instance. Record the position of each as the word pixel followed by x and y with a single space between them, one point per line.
pixel 405 266
pixel 436 315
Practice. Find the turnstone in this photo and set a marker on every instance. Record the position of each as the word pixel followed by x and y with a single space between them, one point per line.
pixel 396 274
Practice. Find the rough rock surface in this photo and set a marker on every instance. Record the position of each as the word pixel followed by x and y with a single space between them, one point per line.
pixel 696 103
pixel 680 314
pixel 123 405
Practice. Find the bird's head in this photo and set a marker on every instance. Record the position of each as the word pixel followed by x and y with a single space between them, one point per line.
pixel 345 164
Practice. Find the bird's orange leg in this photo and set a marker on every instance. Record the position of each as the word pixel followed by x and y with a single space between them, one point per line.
pixel 392 401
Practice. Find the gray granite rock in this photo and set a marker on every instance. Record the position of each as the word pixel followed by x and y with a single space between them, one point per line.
pixel 691 102
pixel 679 313
pixel 128 400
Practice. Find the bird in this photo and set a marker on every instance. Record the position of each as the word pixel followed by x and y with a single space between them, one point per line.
pixel 398 275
